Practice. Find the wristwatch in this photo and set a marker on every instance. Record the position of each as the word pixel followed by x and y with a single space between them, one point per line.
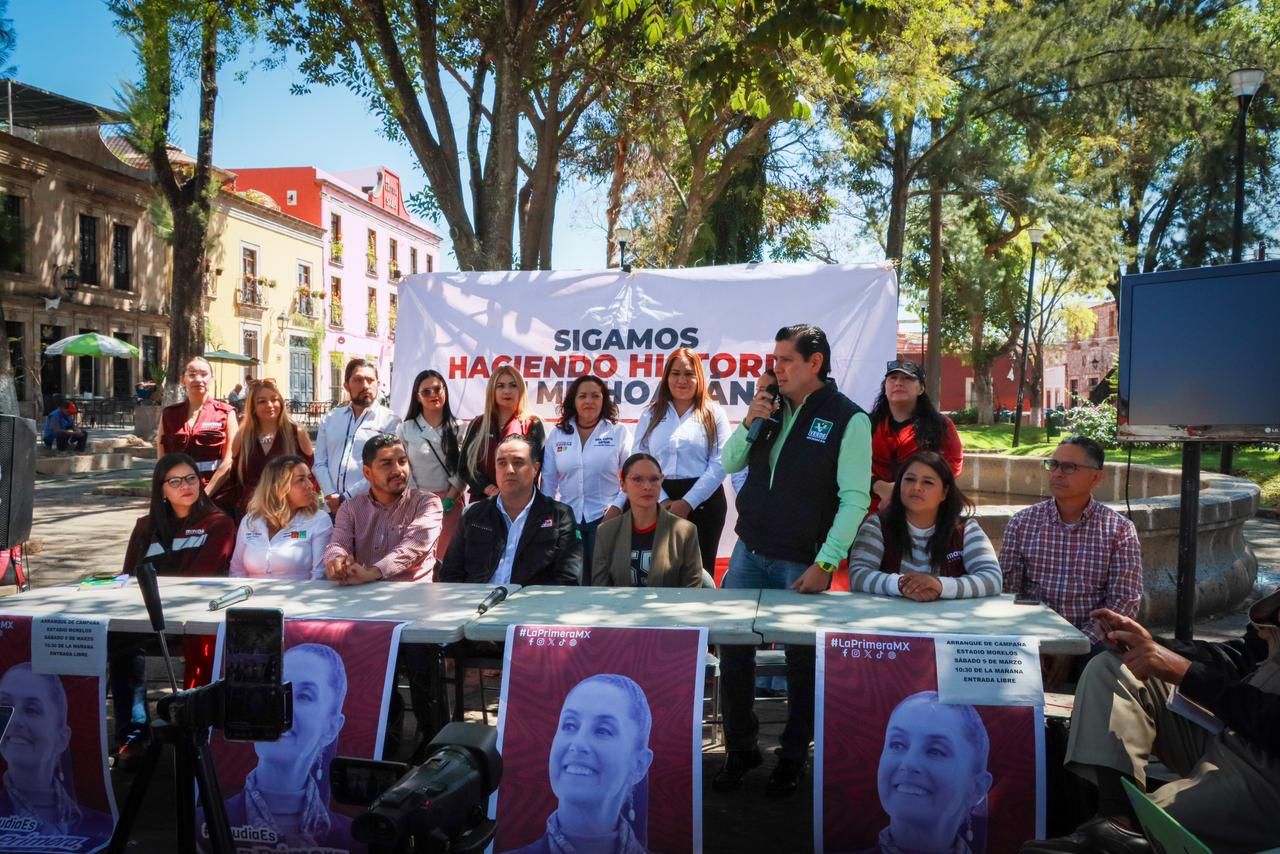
pixel 826 567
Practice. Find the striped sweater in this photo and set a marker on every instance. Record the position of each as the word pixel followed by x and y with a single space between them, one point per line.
pixel 982 569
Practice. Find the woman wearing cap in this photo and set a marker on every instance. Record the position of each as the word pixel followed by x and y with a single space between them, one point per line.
pixel 904 421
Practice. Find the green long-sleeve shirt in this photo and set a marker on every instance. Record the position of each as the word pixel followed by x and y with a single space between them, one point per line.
pixel 853 475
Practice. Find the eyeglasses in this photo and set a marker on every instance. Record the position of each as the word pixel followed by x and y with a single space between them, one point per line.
pixel 1067 468
pixel 177 482
pixel 258 383
pixel 430 392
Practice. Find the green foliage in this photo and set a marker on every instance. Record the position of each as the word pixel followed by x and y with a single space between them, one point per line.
pixel 968 415
pixel 1094 422
pixel 161 218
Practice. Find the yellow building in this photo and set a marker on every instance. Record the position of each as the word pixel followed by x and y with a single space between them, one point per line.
pixel 263 295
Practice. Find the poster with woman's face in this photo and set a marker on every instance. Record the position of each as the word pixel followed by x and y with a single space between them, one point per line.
pixel 601 737
pixel 897 770
pixel 55 792
pixel 277 793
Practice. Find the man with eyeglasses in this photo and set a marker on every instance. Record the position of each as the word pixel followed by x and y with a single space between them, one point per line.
pixel 1228 791
pixel 1074 553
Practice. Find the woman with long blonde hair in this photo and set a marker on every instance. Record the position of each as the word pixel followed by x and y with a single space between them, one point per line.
pixel 285 532
pixel 506 412
pixel 266 433
pixel 685 430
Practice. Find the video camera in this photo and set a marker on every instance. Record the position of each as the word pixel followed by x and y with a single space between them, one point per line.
pixel 440 805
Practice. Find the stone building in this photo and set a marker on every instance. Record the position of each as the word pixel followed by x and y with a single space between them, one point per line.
pixel 1090 359
pixel 94 260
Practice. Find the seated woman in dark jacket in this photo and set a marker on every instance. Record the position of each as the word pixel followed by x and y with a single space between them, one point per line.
pixel 646 546
pixel 184 534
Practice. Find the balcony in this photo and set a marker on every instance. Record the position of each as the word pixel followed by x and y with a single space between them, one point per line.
pixel 335 315
pixel 393 272
pixel 335 253
pixel 251 298
pixel 306 304
pixel 371 264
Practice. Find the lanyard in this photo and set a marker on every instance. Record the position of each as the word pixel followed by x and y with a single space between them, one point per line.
pixel 347 443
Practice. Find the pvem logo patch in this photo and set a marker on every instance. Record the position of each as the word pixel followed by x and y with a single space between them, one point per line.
pixel 819 430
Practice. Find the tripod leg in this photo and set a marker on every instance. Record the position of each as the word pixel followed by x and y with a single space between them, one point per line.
pixel 185 793
pixel 137 794
pixel 215 809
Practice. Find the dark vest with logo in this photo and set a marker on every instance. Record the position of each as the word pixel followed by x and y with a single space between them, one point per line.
pixel 790 520
pixel 952 567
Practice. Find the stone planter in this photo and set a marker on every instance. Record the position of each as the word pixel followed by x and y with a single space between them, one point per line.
pixel 146 421
pixel 1226 567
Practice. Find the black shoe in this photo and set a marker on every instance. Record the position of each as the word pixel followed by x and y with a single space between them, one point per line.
pixel 1099 836
pixel 785 778
pixel 736 765
pixel 130 753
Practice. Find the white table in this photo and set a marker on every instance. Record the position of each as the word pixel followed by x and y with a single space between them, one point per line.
pixel 788 617
pixel 727 614
pixel 436 612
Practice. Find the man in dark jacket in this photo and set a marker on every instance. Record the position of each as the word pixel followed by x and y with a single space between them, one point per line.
pixel 1126 711
pixel 518 536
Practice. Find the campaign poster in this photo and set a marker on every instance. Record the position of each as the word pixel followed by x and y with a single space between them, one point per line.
pixel 277 793
pixel 55 792
pixel 897 768
pixel 600 731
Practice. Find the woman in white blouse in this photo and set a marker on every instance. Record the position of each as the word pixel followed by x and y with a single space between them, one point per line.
pixel 284 532
pixel 583 456
pixel 686 430
pixel 430 435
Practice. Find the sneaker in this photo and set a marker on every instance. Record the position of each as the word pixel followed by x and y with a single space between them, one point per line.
pixel 132 749
pixel 785 778
pixel 736 765
pixel 1099 836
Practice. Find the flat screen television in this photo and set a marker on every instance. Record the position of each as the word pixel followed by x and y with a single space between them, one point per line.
pixel 1200 354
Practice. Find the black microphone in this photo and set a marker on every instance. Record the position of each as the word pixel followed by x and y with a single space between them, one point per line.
pixel 150 587
pixel 765 428
pixel 495 596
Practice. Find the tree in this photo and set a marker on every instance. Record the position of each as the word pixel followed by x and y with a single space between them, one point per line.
pixel 176 40
pixel 13 237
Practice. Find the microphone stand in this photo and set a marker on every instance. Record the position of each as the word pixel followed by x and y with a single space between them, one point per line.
pixel 192 764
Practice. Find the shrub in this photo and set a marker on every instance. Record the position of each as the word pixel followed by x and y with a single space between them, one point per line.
pixel 1094 422
pixel 965 416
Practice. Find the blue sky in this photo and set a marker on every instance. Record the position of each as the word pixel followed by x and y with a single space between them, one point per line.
pixel 73 48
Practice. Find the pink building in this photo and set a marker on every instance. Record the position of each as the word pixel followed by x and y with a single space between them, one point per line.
pixel 370 244
pixel 1089 359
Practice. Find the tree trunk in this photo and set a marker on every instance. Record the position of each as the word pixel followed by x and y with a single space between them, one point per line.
pixel 933 352
pixel 613 210
pixel 983 388
pixel 900 183
pixel 186 307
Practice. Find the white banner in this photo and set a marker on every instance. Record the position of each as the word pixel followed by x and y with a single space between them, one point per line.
pixel 555 326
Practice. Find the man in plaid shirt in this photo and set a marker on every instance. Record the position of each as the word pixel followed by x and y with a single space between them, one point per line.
pixel 1073 553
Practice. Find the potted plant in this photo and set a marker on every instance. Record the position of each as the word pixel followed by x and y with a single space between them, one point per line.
pixel 335 251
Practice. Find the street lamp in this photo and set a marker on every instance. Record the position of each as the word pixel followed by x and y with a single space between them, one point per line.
pixel 1036 234
pixel 282 320
pixel 1244 85
pixel 623 236
pixel 69 279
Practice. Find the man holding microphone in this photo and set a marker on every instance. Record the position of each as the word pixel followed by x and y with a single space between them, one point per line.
pixel 806 493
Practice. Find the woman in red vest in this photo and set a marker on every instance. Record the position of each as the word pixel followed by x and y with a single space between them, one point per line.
pixel 923 544
pixel 200 427
pixel 903 421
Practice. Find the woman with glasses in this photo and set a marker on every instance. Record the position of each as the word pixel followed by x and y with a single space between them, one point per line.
pixel 686 430
pixel 923 544
pixel 430 435
pixel 185 534
pixel 268 433
pixel 584 455
pixel 201 427
pixel 647 546
pixel 506 412
pixel 904 420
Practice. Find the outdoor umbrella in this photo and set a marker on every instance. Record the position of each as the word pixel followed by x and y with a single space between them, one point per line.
pixel 227 356
pixel 92 344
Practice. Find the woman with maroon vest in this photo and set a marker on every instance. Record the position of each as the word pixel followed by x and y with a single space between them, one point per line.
pixel 923 545
pixel 903 421
pixel 185 534
pixel 200 426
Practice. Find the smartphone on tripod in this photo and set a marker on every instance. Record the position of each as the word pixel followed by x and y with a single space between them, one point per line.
pixel 252 676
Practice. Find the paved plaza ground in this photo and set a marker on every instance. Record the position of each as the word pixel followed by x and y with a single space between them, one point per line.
pixel 79 531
